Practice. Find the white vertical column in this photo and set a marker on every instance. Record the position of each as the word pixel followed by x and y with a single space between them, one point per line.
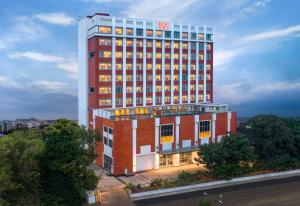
pixel 196 129
pixel 228 121
pixel 134 127
pixel 204 69
pixel 213 127
pixel 172 72
pixel 153 72
pixel 177 131
pixel 180 73
pixel 156 157
pixel 163 74
pixel 197 72
pixel 134 72
pixel 189 72
pixel 113 76
pixel 124 72
pixel 144 72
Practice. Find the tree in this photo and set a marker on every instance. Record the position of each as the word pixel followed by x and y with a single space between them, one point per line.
pixel 65 173
pixel 229 158
pixel 19 167
pixel 276 140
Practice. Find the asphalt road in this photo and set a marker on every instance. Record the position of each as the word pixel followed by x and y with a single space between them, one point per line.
pixel 283 192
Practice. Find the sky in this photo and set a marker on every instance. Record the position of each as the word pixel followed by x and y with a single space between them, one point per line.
pixel 256 62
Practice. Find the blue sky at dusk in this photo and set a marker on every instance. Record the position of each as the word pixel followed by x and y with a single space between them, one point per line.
pixel 257 51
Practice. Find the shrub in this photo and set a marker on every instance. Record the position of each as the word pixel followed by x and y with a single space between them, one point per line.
pixel 185 177
pixel 156 182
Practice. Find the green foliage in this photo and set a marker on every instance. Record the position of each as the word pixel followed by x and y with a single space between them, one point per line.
pixel 276 140
pixel 65 173
pixel 156 182
pixel 229 158
pixel 133 187
pixel 19 167
pixel 185 177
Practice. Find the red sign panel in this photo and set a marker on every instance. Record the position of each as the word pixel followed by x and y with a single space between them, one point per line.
pixel 163 25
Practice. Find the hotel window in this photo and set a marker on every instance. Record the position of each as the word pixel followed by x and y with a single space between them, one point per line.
pixel 129 55
pixel 208 77
pixel 91 54
pixel 204 129
pixel 119 54
pixel 184 87
pixel 193 45
pixel 201 66
pixel 149 32
pixel 176 56
pixel 139 89
pixel 176 98
pixel 158 66
pixel 208 46
pixel 193 77
pixel 128 101
pixel 200 87
pixel 208 87
pixel 119 101
pixel 92 89
pixel 201 57
pixel 139 43
pixel 167 56
pixel 184 98
pixel 105 29
pixel 185 35
pixel 149 100
pixel 104 102
pixel 139 66
pixel 167 45
pixel 118 66
pixel 193 56
pixel 129 78
pixel 158 44
pixel 149 88
pixel 193 67
pixel 149 55
pixel 208 58
pixel 167 34
pixel 166 133
pixel 175 88
pixel 119 89
pixel 184 45
pixel 184 67
pixel 105 66
pixel 208 36
pixel 158 33
pixel 105 54
pixel 139 55
pixel 129 31
pixel 167 88
pixel 149 77
pixel 157 77
pixel 105 42
pixel 128 89
pixel 176 45
pixel 139 32
pixel 184 77
pixel 129 43
pixel 104 90
pixel 200 76
pixel 139 100
pixel 149 66
pixel 176 34
pixel 200 98
pixel 119 30
pixel 167 67
pixel 207 97
pixel 104 78
pixel 158 100
pixel 192 87
pixel 208 67
pixel 201 46
pixel 158 55
pixel 119 42
pixel 176 67
pixel 192 97
pixel 158 88
pixel 119 78
pixel 193 35
pixel 149 44
pixel 176 77
pixel 184 56
pixel 139 77
pixel 167 77
pixel 201 36
pixel 129 66
pixel 167 99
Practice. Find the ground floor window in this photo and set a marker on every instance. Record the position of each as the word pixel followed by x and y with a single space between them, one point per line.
pixel 186 158
pixel 107 163
pixel 165 160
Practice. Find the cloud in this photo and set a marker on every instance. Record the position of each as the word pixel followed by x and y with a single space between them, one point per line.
pixel 222 57
pixel 23 29
pixel 272 34
pixel 56 18
pixel 50 86
pixel 6 81
pixel 67 64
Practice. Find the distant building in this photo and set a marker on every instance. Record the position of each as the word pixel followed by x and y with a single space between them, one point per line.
pixel 148 86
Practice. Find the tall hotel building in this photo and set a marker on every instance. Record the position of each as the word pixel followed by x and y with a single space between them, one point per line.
pixel 148 87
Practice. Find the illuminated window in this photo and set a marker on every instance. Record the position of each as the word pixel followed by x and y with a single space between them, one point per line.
pixel 176 98
pixel 105 66
pixel 158 55
pixel 104 102
pixel 193 66
pixel 184 56
pixel 167 99
pixel 149 77
pixel 192 97
pixel 158 33
pixel 105 54
pixel 201 57
pixel 104 78
pixel 129 55
pixel 119 101
pixel 184 98
pixel 129 31
pixel 158 44
pixel 158 88
pixel 139 89
pixel 184 67
pixel 167 56
pixel 185 35
pixel 105 42
pixel 200 98
pixel 184 45
pixel 176 77
pixel 129 43
pixel 201 36
pixel 192 87
pixel 167 66
pixel 129 78
pixel 208 97
pixel 139 43
pixel 167 88
pixel 149 55
pixel 158 99
pixel 176 67
pixel 157 77
pixel 128 101
pixel 208 77
pixel 204 129
pixel 193 77
pixel 119 54
pixel 176 56
pixel 119 42
pixel 128 89
pixel 139 100
pixel 129 66
pixel 105 29
pixel 149 32
pixel 167 45
pixel 119 78
pixel 158 66
pixel 119 30
pixel 119 66
pixel 166 133
pixel 208 46
pixel 208 67
pixel 104 90
pixel 176 45
pixel 139 66
pixel 167 77
pixel 200 87
pixel 149 66
pixel 175 88
pixel 149 44
pixel 139 77
pixel 149 100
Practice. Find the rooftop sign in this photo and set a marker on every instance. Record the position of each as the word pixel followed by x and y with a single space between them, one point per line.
pixel 163 25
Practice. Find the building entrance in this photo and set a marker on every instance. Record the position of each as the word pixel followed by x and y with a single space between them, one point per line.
pixel 165 160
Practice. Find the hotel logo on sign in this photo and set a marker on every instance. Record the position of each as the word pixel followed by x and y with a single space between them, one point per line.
pixel 163 25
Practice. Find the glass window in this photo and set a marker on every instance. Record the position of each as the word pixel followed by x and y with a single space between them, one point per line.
pixel 104 54
pixel 208 57
pixel 139 43
pixel 208 46
pixel 149 32
pixel 167 34
pixel 158 44
pixel 139 89
pixel 208 36
pixel 158 55
pixel 167 44
pixel 149 44
pixel 129 66
pixel 201 36
pixel 185 35
pixel 157 77
pixel 184 45
pixel 176 45
pixel 129 42
pixel 129 78
pixel 119 78
pixel 105 66
pixel 149 55
pixel 149 88
pixel 139 55
pixel 201 46
pixel 119 54
pixel 176 34
pixel 204 128
pixel 104 78
pixel 193 35
pixel 149 66
pixel 166 133
pixel 105 42
pixel 119 30
pixel 104 102
pixel 139 66
pixel 149 77
pixel 158 66
pixel 104 90
pixel 129 31
pixel 139 32
pixel 129 55
pixel 105 29
pixel 119 89
pixel 129 89
pixel 119 42
pixel 158 33
pixel 119 66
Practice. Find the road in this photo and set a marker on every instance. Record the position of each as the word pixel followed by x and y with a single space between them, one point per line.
pixel 283 192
